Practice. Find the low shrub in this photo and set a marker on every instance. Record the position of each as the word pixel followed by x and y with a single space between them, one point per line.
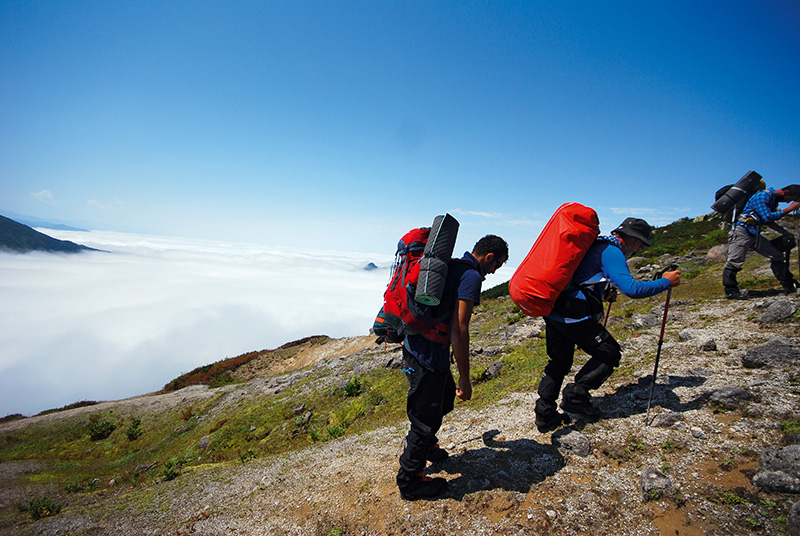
pixel 41 507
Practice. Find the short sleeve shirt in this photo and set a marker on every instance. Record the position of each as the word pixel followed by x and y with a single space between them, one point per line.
pixel 464 280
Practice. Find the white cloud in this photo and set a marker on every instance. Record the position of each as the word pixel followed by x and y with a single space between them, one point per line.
pixel 109 325
pixel 97 204
pixel 493 215
pixel 45 196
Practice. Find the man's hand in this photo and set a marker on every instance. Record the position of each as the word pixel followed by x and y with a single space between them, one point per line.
pixel 464 390
pixel 794 206
pixel 612 294
pixel 674 277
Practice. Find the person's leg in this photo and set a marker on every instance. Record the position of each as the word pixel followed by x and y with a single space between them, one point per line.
pixel 605 354
pixel 778 264
pixel 739 243
pixel 425 407
pixel 560 350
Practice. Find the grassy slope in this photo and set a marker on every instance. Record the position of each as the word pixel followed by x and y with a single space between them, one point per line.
pixel 168 440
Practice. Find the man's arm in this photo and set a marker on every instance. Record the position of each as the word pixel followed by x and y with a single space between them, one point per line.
pixel 459 338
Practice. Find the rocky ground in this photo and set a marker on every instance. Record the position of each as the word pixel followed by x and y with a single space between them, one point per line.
pixel 713 459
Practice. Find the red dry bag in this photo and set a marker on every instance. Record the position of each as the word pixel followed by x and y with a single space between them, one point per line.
pixel 554 257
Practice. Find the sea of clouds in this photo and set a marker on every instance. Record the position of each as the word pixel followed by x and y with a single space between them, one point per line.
pixel 125 321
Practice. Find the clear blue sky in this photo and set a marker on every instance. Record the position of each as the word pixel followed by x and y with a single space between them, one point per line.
pixel 338 125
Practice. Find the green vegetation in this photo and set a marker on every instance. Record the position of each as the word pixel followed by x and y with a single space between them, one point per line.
pixel 80 452
pixel 41 507
pixel 791 426
pixel 220 373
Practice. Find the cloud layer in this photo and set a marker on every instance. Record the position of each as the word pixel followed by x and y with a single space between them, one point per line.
pixel 113 324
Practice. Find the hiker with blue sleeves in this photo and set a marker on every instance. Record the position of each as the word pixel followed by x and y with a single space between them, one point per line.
pixel 576 321
pixel 432 389
pixel 761 210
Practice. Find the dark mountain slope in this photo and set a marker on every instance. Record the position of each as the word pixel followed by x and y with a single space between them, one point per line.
pixel 20 238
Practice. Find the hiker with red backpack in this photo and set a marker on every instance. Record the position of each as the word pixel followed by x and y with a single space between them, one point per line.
pixel 576 320
pixel 432 389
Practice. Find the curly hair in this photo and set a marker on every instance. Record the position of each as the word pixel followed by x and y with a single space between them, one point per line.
pixel 491 244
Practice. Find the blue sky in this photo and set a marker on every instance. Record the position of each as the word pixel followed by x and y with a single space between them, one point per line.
pixel 339 125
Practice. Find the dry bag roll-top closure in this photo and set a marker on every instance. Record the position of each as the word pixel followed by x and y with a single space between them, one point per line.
pixel 553 259
pixel 417 282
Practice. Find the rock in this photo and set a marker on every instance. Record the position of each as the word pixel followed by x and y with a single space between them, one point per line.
pixel 718 253
pixel 778 351
pixel 697 432
pixel 395 362
pixel 653 482
pixel 493 350
pixel 687 334
pixel 729 397
pixel 777 311
pixel 665 420
pixel 779 469
pixel 572 441
pixel 525 329
pixel 493 370
pixel 204 442
pixel 645 321
pixel 707 345
pixel 793 522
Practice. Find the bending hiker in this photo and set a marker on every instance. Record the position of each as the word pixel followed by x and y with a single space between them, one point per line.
pixel 761 209
pixel 432 390
pixel 576 321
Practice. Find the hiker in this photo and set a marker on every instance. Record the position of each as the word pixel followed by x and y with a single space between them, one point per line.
pixel 576 321
pixel 761 209
pixel 432 389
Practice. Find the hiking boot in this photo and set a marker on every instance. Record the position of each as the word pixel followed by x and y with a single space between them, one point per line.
pixel 586 409
pixel 437 454
pixel 549 423
pixel 422 487
pixel 733 294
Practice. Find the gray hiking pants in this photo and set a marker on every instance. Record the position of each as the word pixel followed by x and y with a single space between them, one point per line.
pixel 740 242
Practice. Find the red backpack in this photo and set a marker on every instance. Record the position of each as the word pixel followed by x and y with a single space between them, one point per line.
pixel 401 313
pixel 553 259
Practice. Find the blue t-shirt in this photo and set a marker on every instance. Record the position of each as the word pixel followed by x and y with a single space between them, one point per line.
pixel 604 263
pixel 464 279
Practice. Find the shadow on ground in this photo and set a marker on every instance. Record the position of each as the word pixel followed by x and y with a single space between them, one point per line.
pixel 513 465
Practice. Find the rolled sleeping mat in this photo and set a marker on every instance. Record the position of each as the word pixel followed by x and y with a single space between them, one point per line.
pixel 729 196
pixel 432 277
pixel 435 260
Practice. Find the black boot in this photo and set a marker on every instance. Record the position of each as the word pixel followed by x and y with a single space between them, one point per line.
pixel 419 486
pixel 730 284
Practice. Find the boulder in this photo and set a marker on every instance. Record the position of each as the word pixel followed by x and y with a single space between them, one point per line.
pixel 729 397
pixel 777 311
pixel 779 469
pixel 493 370
pixel 653 482
pixel 572 441
pixel 778 351
pixel 793 522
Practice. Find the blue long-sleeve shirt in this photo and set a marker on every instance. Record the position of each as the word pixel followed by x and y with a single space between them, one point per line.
pixel 605 263
pixel 763 207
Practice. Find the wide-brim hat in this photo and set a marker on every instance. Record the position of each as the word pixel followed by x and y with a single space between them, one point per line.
pixel 637 228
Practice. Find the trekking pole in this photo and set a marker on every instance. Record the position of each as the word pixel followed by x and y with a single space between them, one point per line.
pixel 608 312
pixel 660 342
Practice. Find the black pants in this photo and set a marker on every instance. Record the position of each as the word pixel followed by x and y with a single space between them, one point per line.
pixel 591 337
pixel 431 395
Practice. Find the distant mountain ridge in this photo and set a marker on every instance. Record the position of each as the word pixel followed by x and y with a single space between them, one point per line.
pixel 20 238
